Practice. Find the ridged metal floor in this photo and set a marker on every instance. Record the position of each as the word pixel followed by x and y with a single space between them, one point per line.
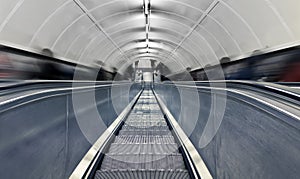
pixel 144 147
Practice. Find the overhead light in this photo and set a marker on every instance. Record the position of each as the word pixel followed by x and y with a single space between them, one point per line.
pixel 147 20
pixel 147 28
pixel 146 6
pixel 146 12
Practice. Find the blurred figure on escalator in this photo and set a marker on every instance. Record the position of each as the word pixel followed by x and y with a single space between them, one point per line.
pixel 6 67
pixel 49 69
pixel 291 73
pixel 248 71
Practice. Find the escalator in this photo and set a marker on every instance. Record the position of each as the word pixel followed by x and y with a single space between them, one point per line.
pixel 144 147
pixel 145 140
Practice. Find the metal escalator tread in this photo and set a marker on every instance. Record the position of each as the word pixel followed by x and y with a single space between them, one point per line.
pixel 138 174
pixel 143 162
pixel 137 139
pixel 145 132
pixel 144 146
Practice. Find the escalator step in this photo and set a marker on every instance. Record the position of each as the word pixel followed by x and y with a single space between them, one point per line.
pixel 138 174
pixel 142 161
pixel 145 124
pixel 134 139
pixel 143 148
pixel 145 132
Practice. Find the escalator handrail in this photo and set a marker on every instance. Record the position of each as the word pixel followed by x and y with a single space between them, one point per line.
pixel 24 98
pixel 292 106
pixel 272 87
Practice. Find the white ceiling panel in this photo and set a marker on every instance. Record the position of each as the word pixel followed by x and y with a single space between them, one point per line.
pixel 183 33
pixel 50 30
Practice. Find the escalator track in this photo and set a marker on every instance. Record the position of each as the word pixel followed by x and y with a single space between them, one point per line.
pixel 144 147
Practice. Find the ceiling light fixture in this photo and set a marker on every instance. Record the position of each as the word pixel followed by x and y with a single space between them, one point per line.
pixel 147 42
pixel 147 22
pixel 147 28
pixel 146 7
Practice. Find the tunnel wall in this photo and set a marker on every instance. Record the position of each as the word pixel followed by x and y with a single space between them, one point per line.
pixel 42 139
pixel 250 142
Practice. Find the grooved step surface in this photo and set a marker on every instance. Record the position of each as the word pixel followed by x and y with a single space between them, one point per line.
pixel 145 132
pixel 138 174
pixel 143 148
pixel 143 161
pixel 145 127
pixel 145 123
pixel 137 139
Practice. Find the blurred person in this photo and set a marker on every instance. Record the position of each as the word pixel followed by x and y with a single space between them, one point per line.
pixel 223 62
pixel 49 69
pixel 291 73
pixel 248 72
pixel 7 70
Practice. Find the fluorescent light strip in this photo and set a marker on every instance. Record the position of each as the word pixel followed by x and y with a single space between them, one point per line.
pixel 147 27
pixel 146 7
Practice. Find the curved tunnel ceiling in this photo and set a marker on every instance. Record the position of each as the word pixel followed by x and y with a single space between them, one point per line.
pixel 182 33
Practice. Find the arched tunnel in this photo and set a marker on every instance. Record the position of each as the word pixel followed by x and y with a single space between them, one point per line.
pixel 149 89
